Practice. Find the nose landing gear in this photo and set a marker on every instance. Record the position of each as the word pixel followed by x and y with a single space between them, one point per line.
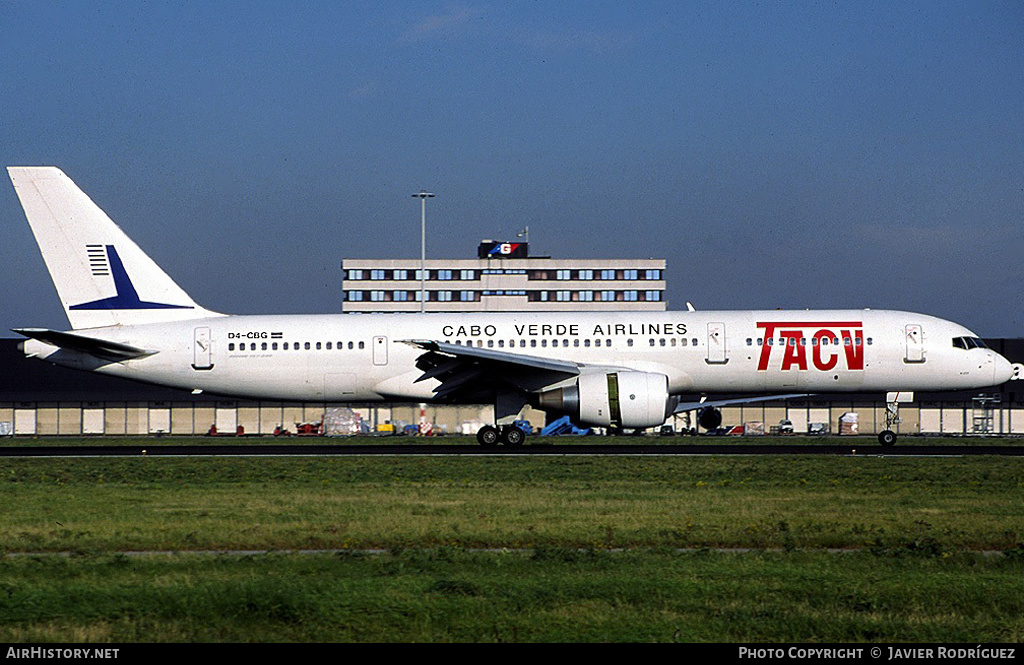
pixel 887 437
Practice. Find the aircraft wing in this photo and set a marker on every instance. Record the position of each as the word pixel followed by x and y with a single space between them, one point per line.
pixel 464 368
pixel 100 348
pixel 690 406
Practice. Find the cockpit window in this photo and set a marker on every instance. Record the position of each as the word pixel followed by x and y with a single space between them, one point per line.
pixel 968 343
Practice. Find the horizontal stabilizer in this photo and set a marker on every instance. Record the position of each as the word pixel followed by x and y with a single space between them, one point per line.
pixel 100 348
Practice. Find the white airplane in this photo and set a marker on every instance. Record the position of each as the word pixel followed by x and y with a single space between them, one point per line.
pixel 605 369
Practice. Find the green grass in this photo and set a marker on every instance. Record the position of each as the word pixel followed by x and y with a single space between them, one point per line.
pixel 512 549
pixel 550 595
pixel 514 502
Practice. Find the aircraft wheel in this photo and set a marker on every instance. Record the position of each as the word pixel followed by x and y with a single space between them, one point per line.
pixel 487 436
pixel 887 438
pixel 512 436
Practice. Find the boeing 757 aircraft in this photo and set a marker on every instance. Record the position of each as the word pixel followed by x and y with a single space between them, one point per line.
pixel 604 369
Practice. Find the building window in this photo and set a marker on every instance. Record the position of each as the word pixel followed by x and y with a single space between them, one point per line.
pixel 563 296
pixel 563 274
pixel 376 274
pixel 653 274
pixel 401 296
pixel 586 296
pixel 607 296
pixel 467 296
pixel 444 296
pixel 401 275
pixel 444 274
pixel 630 296
pixel 355 274
pixel 652 296
pixel 467 274
pixel 587 274
pixel 377 296
pixel 607 274
pixel 629 274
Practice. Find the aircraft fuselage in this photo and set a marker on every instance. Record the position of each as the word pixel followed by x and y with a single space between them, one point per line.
pixel 366 357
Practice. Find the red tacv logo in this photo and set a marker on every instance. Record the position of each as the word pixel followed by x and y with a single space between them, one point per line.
pixel 823 348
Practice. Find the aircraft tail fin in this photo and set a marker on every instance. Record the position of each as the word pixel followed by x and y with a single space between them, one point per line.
pixel 101 275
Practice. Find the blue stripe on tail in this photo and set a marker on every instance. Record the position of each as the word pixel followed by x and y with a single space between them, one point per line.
pixel 127 297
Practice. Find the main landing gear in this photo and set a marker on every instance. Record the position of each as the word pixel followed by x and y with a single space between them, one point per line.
pixel 510 435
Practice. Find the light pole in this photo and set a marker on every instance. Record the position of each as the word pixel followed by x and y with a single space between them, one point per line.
pixel 423 195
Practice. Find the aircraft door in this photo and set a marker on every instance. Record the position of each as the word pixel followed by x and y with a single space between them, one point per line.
pixel 380 350
pixel 202 349
pixel 915 344
pixel 717 354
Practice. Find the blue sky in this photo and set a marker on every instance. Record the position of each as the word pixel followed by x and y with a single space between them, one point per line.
pixel 781 154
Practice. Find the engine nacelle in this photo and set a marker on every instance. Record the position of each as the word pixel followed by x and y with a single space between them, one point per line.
pixel 631 400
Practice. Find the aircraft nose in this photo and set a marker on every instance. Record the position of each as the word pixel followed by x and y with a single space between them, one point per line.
pixel 1002 369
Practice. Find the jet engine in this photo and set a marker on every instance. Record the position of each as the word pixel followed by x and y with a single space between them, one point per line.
pixel 630 400
pixel 709 418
